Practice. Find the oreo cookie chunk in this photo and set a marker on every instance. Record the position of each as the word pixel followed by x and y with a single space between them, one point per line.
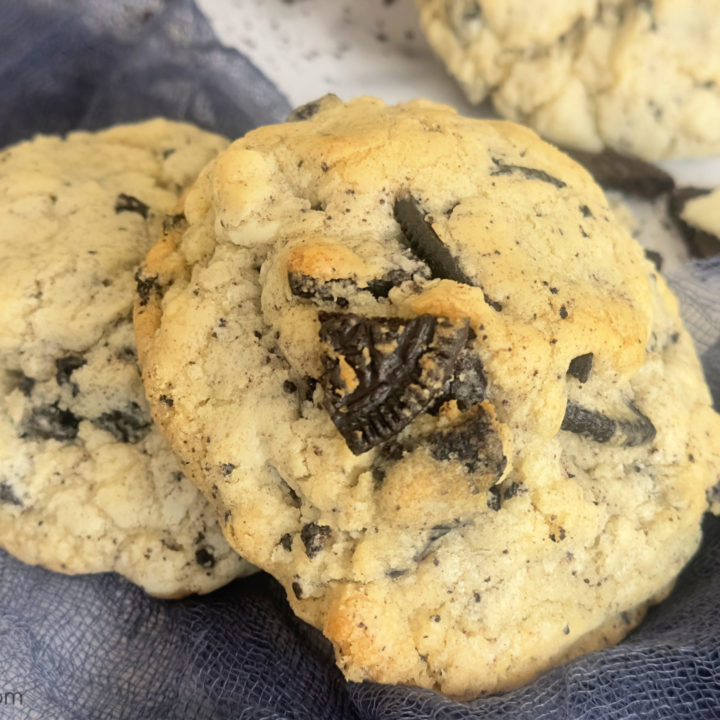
pixel 438 390
pixel 87 483
pixel 625 173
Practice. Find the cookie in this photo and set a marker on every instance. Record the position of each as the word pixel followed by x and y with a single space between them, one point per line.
pixel 87 483
pixel 640 77
pixel 436 389
pixel 697 214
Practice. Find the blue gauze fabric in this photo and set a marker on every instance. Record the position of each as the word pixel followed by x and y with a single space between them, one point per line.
pixel 96 647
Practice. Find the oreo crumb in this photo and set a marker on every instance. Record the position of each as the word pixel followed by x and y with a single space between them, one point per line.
pixel 7 495
pixel 581 366
pixel 128 203
pixel 314 537
pixel 49 422
pixel 205 558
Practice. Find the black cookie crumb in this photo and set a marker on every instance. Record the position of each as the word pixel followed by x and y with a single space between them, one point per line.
pixel 128 203
pixel 25 384
pixel 305 112
pixel 381 287
pixel 7 495
pixel 467 385
pixel 205 558
pixel 314 537
pixel 494 498
pixel 66 366
pixel 172 221
pixel 473 443
pixel 602 429
pixel 655 258
pixel 145 286
pixel 528 173
pixel 581 366
pixel 127 426
pixel 334 290
pixel 49 422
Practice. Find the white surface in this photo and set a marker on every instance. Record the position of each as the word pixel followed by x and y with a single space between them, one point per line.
pixel 359 47
pixel 348 47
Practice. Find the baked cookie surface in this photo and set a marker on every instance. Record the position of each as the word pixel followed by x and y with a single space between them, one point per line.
pixel 87 483
pixel 642 78
pixel 433 387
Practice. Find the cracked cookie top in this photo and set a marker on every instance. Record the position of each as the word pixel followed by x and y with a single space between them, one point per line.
pixel 640 77
pixel 87 483
pixel 432 386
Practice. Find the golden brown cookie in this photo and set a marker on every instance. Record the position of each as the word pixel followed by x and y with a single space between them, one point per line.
pixel 433 387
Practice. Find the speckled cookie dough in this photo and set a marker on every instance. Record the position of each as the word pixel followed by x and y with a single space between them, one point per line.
pixel 435 388
pixel 87 483
pixel 639 77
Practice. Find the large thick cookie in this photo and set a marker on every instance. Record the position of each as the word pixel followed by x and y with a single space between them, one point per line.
pixel 434 388
pixel 87 483
pixel 639 77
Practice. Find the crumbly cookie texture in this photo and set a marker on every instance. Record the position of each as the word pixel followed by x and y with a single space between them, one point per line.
pixel 87 483
pixel 639 77
pixel 434 388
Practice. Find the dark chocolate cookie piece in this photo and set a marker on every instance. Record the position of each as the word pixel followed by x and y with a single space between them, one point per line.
pixel 7 494
pixel 528 173
pixel 305 112
pixel 655 258
pixel 336 289
pixel 581 366
pixel 66 366
pixel 467 385
pixel 630 431
pixel 700 242
pixel 626 173
pixel 128 203
pixel 424 242
pixel 129 425
pixel 314 537
pixel 49 422
pixel 420 237
pixel 381 373
pixel 475 444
